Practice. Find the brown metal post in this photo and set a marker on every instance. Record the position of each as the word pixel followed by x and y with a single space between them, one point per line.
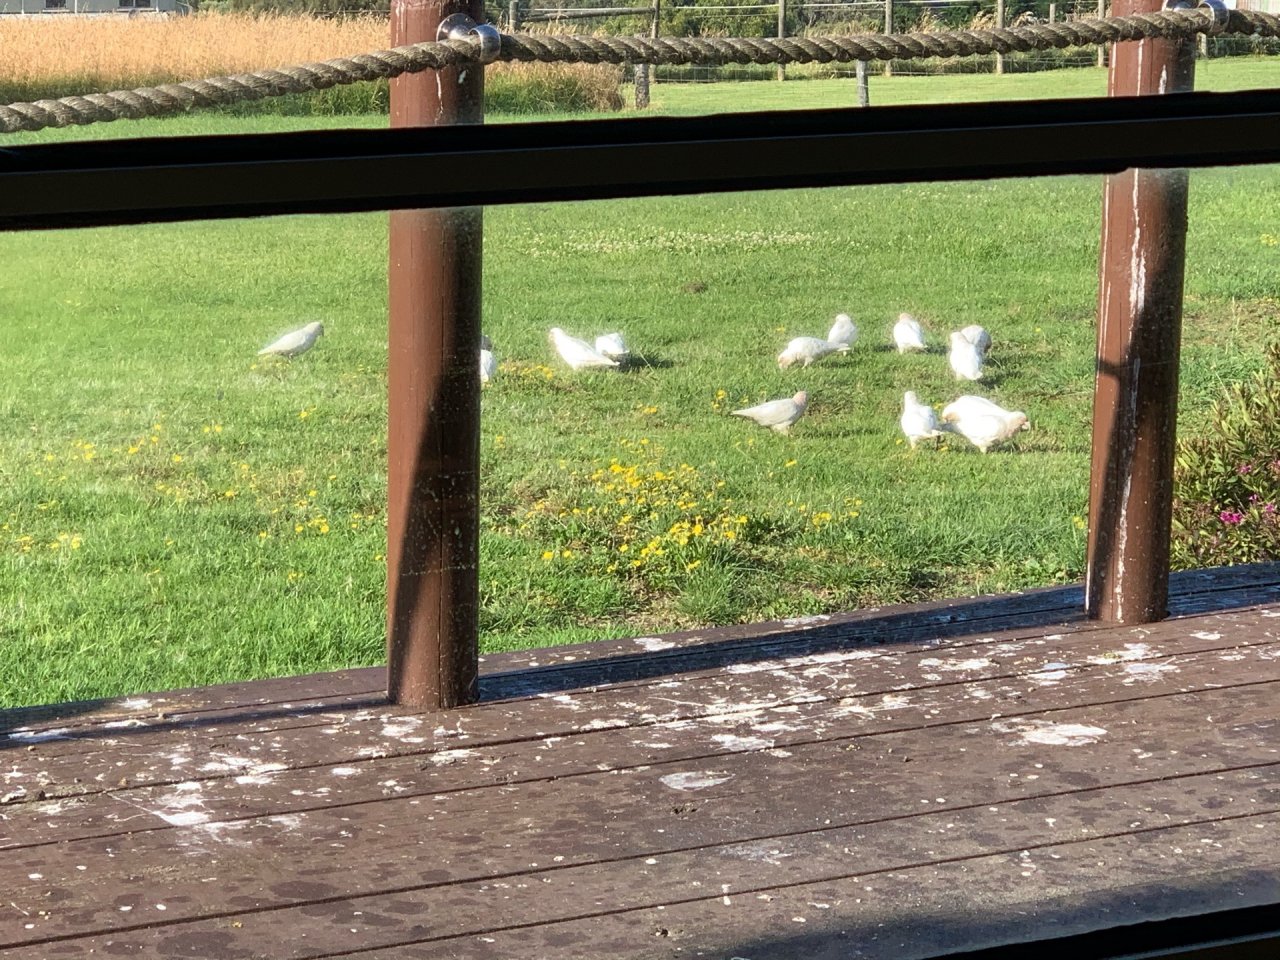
pixel 433 442
pixel 1144 232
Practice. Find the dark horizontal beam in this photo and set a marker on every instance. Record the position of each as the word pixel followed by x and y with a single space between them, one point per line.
pixel 1244 933
pixel 192 178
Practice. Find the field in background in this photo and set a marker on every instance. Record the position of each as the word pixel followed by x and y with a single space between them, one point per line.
pixel 174 510
pixel 46 57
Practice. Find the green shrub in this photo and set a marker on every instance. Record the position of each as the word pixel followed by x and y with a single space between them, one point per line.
pixel 1226 505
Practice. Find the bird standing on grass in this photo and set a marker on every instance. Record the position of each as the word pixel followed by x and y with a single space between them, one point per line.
pixel 613 346
pixel 978 337
pixel 982 422
pixel 965 357
pixel 843 332
pixel 578 354
pixel 777 414
pixel 908 334
pixel 805 350
pixel 918 421
pixel 294 342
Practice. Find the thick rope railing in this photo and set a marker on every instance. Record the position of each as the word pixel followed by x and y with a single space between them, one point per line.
pixel 172 98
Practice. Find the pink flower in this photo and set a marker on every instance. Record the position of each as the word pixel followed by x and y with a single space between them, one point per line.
pixel 1268 508
pixel 1230 516
pixel 1254 498
pixel 1244 468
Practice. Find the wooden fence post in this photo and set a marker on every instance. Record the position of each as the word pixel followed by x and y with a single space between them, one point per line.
pixel 888 29
pixel 864 94
pixel 433 429
pixel 1102 47
pixel 782 32
pixel 513 16
pixel 1053 13
pixel 999 26
pixel 1139 326
pixel 641 74
pixel 643 71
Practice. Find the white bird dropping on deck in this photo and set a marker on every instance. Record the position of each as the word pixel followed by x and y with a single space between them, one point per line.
pixel 966 358
pixel 805 350
pixel 612 345
pixel 908 334
pixel 578 354
pixel 982 422
pixel 919 422
pixel 777 414
pixel 843 331
pixel 978 337
pixel 294 342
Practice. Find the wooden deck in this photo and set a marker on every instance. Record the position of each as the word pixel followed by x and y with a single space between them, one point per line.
pixel 888 784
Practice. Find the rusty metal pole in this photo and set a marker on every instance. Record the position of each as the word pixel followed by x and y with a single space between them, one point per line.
pixel 433 441
pixel 1144 233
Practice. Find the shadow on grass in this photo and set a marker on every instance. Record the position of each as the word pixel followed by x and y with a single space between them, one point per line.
pixel 1061 608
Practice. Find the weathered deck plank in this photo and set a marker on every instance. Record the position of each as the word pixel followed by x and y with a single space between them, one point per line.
pixel 824 793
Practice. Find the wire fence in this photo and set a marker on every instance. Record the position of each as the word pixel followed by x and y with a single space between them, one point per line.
pixel 854 17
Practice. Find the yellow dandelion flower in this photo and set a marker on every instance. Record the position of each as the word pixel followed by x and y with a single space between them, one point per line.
pixel 177 458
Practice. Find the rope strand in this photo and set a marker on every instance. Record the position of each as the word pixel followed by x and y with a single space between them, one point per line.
pixel 172 98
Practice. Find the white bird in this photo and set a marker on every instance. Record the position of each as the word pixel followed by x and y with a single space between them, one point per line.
pixel 978 337
pixel 488 365
pixel 805 350
pixel 612 345
pixel 908 334
pixel 971 406
pixel 844 331
pixel 294 342
pixel 578 353
pixel 966 359
pixel 982 422
pixel 919 422
pixel 777 414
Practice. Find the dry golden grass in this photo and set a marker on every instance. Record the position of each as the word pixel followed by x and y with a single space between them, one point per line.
pixel 122 51
pixel 57 56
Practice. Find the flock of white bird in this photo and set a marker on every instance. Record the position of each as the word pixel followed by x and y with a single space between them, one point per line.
pixel 980 421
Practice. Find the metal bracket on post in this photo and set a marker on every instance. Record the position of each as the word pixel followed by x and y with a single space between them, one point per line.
pixel 1216 7
pixel 459 26
pixel 1221 15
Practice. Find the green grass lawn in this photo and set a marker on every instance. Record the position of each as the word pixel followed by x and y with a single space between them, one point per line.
pixel 174 510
